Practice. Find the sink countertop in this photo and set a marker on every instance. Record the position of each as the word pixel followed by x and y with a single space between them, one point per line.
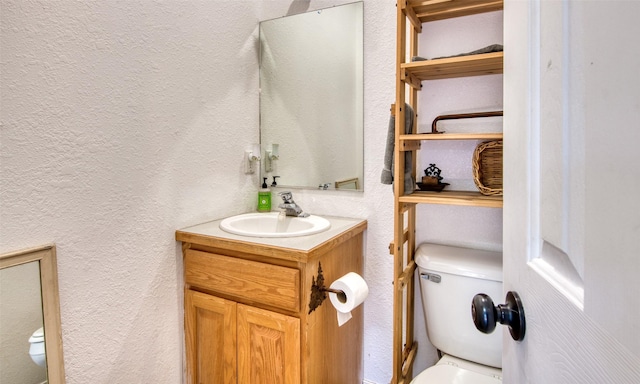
pixel 210 232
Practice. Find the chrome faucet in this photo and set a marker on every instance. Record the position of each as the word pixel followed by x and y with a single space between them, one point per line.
pixel 290 206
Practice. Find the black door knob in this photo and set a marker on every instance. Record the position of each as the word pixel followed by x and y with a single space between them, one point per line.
pixel 486 315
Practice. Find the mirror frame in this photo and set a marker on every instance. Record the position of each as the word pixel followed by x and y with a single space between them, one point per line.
pixel 46 256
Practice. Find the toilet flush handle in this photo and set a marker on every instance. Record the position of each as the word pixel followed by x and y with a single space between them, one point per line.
pixel 486 315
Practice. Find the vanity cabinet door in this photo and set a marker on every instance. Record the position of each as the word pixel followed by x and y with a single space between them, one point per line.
pixel 211 339
pixel 268 347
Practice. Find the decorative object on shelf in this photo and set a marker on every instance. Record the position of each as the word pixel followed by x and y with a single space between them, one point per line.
pixel 432 175
pixel 487 167
pixel 431 179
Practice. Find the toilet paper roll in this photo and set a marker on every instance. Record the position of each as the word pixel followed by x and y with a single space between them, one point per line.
pixel 356 291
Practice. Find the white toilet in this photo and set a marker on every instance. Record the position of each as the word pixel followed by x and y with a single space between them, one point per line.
pixel 449 279
pixel 36 347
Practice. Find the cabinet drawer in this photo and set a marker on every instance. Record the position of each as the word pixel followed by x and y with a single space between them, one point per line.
pixel 247 280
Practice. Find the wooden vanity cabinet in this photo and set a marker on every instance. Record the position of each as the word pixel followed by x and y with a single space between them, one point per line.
pixel 224 337
pixel 247 317
pixel 211 339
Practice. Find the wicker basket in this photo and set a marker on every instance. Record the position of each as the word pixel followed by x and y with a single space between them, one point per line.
pixel 487 167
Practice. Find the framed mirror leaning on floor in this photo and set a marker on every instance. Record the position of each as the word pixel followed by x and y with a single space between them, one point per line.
pixel 30 299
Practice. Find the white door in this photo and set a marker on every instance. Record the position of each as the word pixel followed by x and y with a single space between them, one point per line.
pixel 572 189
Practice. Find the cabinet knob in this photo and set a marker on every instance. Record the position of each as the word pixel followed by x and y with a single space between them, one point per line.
pixel 486 315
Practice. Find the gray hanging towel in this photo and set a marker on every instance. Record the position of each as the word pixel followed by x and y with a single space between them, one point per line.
pixel 386 176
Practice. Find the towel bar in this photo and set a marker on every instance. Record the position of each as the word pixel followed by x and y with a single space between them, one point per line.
pixel 434 129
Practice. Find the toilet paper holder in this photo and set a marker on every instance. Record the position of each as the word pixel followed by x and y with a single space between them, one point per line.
pixel 319 291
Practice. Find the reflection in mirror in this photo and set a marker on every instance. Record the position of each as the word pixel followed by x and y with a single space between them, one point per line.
pixel 311 97
pixel 20 317
pixel 30 334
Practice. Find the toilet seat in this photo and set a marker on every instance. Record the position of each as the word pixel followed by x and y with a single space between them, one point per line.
pixel 452 370
pixel 37 347
pixel 448 374
pixel 37 336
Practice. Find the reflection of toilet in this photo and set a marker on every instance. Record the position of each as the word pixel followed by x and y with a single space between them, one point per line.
pixel 449 279
pixel 36 349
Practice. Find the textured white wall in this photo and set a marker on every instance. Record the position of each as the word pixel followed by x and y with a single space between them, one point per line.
pixel 125 120
pixel 121 122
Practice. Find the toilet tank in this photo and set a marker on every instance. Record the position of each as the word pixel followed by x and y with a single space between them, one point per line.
pixel 449 279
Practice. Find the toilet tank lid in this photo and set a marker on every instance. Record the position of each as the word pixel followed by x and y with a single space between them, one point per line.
pixel 460 261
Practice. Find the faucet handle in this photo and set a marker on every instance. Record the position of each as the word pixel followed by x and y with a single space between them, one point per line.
pixel 286 196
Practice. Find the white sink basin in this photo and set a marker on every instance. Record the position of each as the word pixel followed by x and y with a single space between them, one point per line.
pixel 272 224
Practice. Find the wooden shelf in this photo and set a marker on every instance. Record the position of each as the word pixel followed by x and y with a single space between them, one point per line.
pixel 466 198
pixel 451 67
pixel 432 10
pixel 412 142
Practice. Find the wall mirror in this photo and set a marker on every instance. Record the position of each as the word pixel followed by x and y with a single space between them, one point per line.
pixel 30 318
pixel 311 99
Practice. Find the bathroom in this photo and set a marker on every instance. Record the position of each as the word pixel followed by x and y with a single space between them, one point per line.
pixel 124 121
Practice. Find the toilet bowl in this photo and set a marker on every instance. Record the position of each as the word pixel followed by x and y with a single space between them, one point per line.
pixel 452 370
pixel 36 347
pixel 449 279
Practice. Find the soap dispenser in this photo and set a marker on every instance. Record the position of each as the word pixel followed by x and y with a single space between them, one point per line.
pixel 264 197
